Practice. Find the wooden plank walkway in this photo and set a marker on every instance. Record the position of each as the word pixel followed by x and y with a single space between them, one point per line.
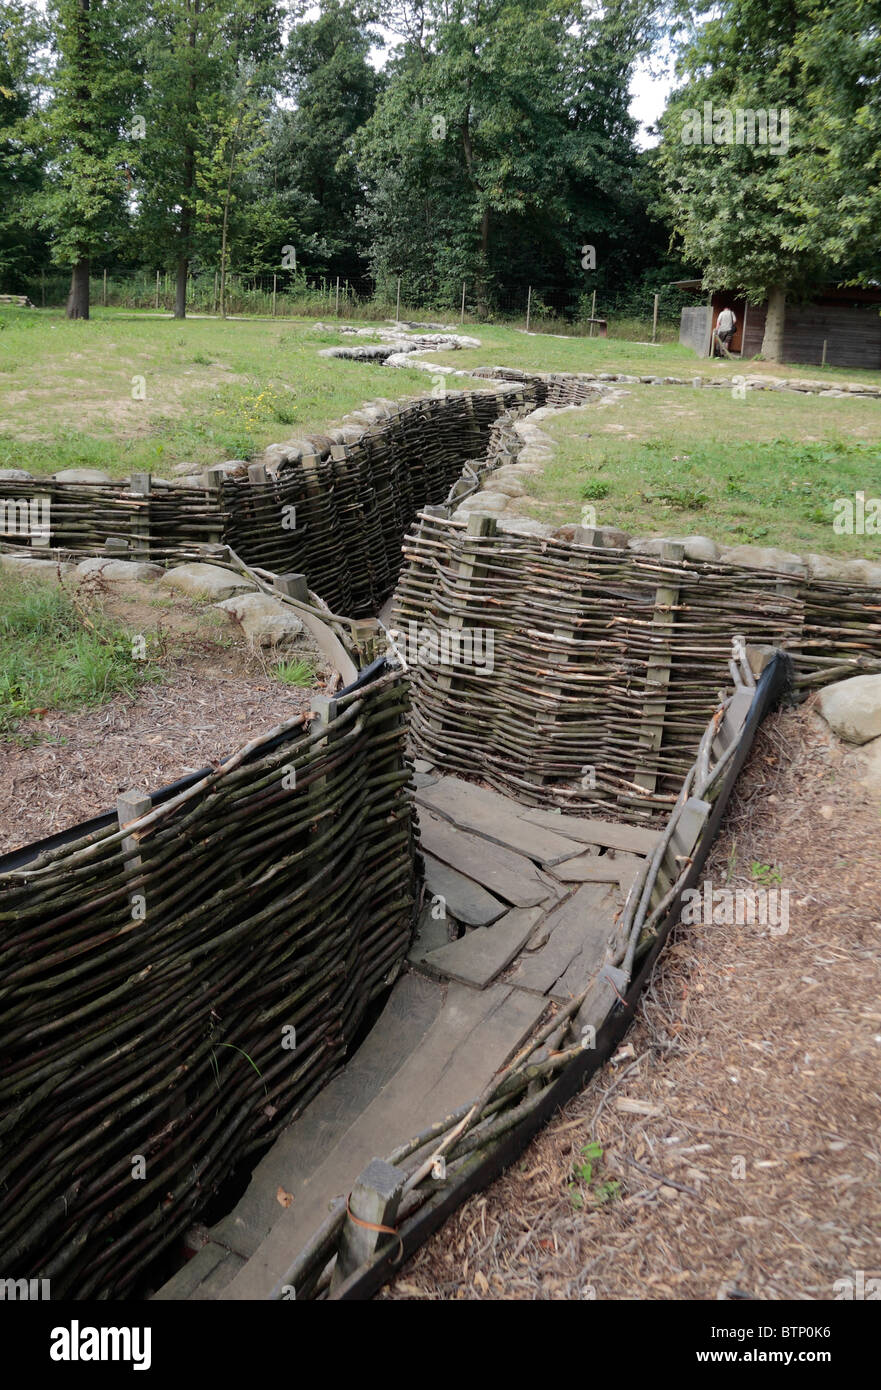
pixel 521 909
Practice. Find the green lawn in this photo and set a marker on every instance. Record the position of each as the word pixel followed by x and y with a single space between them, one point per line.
pixel 663 459
pixel 214 390
pixel 674 461
pixel 51 656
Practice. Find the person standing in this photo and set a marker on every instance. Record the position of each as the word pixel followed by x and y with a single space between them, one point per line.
pixel 726 324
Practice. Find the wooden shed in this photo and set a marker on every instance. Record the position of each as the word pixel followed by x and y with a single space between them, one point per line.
pixel 839 326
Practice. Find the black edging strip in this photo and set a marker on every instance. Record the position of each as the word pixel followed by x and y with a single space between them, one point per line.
pixel 364 1283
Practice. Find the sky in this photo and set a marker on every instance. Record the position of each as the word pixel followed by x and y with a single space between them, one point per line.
pixel 648 99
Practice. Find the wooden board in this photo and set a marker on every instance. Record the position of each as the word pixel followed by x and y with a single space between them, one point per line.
pixel 431 933
pixel 615 867
pixel 476 1032
pixel 634 838
pixel 578 932
pixel 465 900
pixel 496 819
pixel 510 876
pixel 484 953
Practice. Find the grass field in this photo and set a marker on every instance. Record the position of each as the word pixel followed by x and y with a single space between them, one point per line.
pixel 673 461
pixel 214 389
pixel 53 657
pixel 660 459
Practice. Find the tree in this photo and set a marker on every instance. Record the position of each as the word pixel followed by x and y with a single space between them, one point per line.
pixel 22 35
pixel 503 141
pixel 197 55
pixel 335 88
pixel 84 203
pixel 776 219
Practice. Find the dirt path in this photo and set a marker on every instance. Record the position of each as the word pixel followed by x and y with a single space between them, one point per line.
pixel 741 1119
pixel 216 694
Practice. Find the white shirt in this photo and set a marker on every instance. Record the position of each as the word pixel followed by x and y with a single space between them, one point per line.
pixel 726 321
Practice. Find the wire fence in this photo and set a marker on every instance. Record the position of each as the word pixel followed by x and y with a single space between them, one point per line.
pixel 633 312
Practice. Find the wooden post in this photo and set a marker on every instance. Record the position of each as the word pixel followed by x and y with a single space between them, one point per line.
pixel 104 291
pixel 657 676
pixel 365 636
pixel 326 710
pixel 213 484
pixel 564 631
pixel 157 289
pixel 469 568
pixel 293 585
pixel 373 1203
pixel 43 287
pixel 140 486
pixel 398 302
pixel 274 290
pixel 337 310
pixel 823 359
pixel 130 807
pixel 462 315
pixel 655 319
pixel 528 307
pixel 593 312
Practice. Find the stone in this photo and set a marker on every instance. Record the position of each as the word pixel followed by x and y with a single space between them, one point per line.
pixel 871 766
pixel 648 545
pixel 82 475
pixel 266 621
pixel 852 708
pixel 116 569
pixel 25 566
pixel 187 480
pixel 205 581
pixel 228 469
pixel 823 567
pixel 613 538
pixel 488 501
pixel 524 526
pixel 533 454
pixel 861 572
pixel 186 467
pixel 14 475
pixel 764 558
pixel 701 548
pixel 511 487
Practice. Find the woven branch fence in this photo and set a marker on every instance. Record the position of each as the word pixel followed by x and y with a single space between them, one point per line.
pixel 333 511
pixel 174 988
pixel 605 665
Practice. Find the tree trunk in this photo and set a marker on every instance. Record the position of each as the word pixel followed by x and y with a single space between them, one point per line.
pixel 232 165
pixel 772 342
pixel 78 299
pixel 180 287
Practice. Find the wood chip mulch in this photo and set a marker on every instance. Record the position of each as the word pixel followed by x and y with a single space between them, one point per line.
pixel 198 715
pixel 741 1118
